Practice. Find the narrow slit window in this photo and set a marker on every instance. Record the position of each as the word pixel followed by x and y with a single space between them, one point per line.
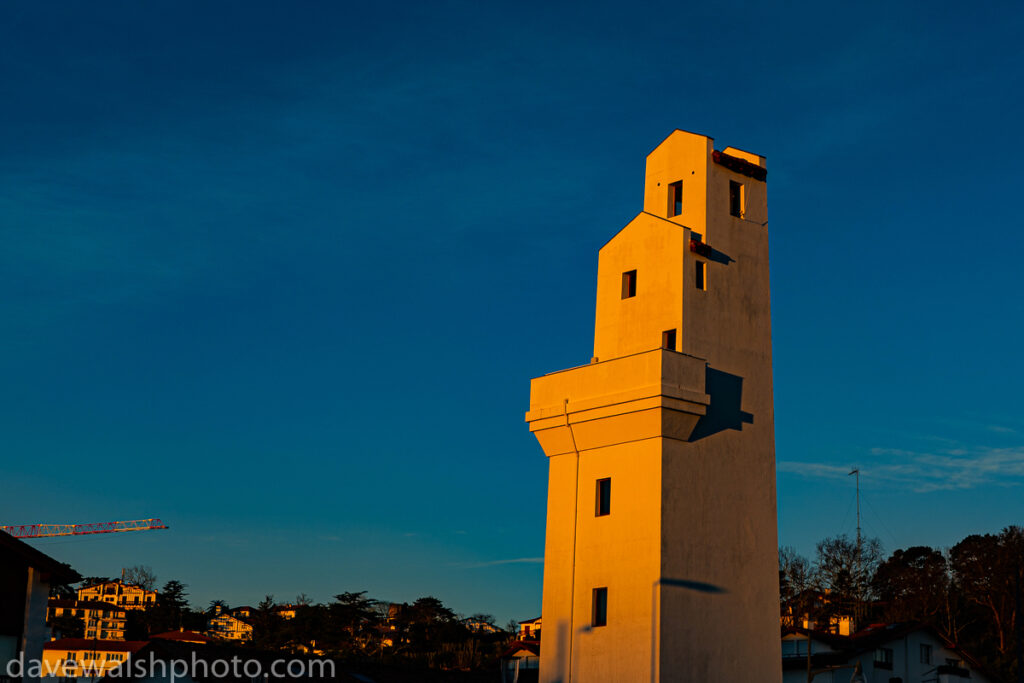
pixel 735 198
pixel 668 340
pixel 604 498
pixel 599 615
pixel 629 284
pixel 700 276
pixel 675 198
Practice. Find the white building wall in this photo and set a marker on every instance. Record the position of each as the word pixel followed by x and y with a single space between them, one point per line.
pixel 906 664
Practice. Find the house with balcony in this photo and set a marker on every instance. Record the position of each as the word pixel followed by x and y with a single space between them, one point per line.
pixel 100 620
pixel 479 625
pixel 228 626
pixel 530 629
pixel 124 595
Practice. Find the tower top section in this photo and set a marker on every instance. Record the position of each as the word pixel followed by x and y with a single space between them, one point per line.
pixel 672 271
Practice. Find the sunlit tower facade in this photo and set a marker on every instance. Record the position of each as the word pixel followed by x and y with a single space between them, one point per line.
pixel 660 561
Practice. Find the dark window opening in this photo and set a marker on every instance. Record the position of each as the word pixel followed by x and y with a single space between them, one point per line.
pixel 668 340
pixel 629 284
pixel 700 272
pixel 736 198
pixel 675 198
pixel 599 615
pixel 604 497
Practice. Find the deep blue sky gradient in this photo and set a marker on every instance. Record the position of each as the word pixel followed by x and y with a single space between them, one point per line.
pixel 279 273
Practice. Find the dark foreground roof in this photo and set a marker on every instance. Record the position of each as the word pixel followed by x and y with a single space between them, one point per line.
pixel 13 550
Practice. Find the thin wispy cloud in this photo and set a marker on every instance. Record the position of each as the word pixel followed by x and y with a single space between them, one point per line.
pixel 1000 429
pixel 922 472
pixel 496 563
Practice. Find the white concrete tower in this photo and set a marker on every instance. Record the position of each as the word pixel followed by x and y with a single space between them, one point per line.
pixel 661 552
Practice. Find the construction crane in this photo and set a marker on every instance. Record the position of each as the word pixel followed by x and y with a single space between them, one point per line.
pixel 48 530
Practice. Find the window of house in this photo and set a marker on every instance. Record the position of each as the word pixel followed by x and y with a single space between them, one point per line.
pixel 629 284
pixel 926 653
pixel 668 340
pixel 700 275
pixel 599 616
pixel 675 198
pixel 736 198
pixel 604 497
pixel 883 658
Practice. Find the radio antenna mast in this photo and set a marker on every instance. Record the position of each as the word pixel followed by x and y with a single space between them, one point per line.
pixel 856 473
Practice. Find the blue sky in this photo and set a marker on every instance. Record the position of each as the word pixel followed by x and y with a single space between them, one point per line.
pixel 277 272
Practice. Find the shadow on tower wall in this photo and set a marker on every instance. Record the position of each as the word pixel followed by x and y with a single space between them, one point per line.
pixel 725 409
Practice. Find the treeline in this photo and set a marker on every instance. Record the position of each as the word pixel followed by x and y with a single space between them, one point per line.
pixel 971 592
pixel 352 627
pixel 355 627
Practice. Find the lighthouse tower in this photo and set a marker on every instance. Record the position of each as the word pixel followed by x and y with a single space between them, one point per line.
pixel 661 558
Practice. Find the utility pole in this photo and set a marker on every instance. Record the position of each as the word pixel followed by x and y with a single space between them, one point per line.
pixel 1020 631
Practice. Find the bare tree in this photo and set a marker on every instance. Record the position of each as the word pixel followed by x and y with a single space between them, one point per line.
pixel 141 576
pixel 795 575
pixel 844 568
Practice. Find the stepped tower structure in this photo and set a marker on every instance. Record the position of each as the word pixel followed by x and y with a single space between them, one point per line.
pixel 661 557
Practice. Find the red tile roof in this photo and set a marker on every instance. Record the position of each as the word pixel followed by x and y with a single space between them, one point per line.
pixel 93 645
pixel 531 646
pixel 185 636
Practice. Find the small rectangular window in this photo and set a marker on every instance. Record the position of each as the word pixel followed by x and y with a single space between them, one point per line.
pixel 675 198
pixel 736 198
pixel 629 284
pixel 599 616
pixel 604 497
pixel 700 273
pixel 668 340
pixel 926 653
pixel 883 658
